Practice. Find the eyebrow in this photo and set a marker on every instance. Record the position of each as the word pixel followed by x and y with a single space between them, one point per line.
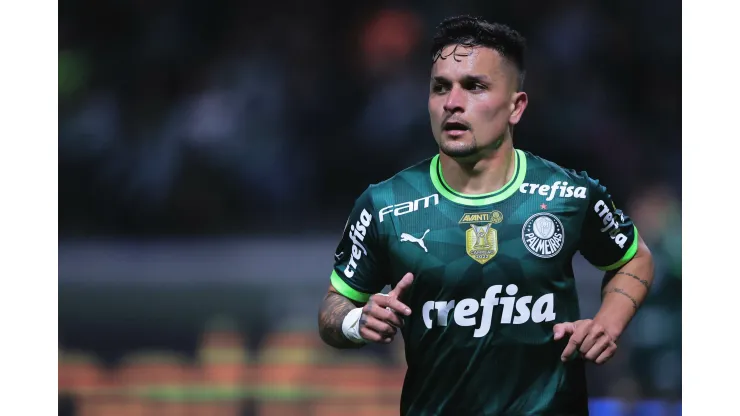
pixel 467 78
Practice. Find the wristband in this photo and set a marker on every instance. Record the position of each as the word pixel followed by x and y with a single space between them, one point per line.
pixel 351 326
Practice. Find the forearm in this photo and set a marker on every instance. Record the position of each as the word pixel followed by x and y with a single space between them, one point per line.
pixel 624 292
pixel 334 309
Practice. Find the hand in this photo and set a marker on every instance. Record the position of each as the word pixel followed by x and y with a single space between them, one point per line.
pixel 588 337
pixel 379 320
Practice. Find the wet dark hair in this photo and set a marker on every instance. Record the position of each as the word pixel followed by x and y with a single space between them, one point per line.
pixel 474 31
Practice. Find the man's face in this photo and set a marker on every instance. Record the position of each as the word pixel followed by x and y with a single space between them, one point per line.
pixel 473 99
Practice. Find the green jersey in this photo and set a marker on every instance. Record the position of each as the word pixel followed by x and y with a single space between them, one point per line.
pixel 492 276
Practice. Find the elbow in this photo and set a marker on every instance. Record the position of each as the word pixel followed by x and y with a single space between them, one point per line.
pixel 324 337
pixel 336 339
pixel 325 333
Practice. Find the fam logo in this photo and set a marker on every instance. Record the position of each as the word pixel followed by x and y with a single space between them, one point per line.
pixel 543 235
pixel 481 239
pixel 408 207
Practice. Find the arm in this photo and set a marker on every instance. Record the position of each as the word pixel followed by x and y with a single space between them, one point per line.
pixel 624 290
pixel 609 241
pixel 377 321
pixel 360 271
pixel 334 308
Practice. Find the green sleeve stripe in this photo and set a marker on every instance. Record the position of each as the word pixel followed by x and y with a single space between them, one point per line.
pixel 344 289
pixel 627 256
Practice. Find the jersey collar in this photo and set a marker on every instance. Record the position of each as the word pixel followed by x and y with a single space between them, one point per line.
pixel 520 171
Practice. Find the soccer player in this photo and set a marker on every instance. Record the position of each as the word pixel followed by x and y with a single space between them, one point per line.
pixel 477 245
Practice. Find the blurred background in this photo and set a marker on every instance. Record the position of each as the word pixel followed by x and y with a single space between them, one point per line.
pixel 210 152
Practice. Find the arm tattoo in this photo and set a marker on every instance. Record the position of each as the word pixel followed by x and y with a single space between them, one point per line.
pixel 331 315
pixel 622 292
pixel 642 281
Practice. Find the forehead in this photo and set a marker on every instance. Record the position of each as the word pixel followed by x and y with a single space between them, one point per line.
pixel 457 61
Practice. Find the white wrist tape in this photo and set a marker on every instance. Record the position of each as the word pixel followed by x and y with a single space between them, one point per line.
pixel 351 326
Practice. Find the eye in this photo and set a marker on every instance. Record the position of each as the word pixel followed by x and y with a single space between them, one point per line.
pixel 476 86
pixel 439 88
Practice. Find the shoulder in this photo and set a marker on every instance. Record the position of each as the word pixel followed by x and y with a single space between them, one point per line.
pixel 545 167
pixel 553 177
pixel 407 180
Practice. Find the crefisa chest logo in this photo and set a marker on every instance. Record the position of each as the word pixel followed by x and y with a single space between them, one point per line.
pixel 543 235
pixel 481 239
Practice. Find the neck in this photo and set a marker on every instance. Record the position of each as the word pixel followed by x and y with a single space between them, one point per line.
pixel 482 175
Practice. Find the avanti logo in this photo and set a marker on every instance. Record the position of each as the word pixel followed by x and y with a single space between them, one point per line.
pixel 465 312
pixel 561 189
pixel 357 233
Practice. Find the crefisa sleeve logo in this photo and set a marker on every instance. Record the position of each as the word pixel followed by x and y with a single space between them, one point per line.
pixel 356 235
pixel 543 235
pixel 611 225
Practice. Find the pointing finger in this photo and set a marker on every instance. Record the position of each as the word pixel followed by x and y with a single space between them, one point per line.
pixel 402 285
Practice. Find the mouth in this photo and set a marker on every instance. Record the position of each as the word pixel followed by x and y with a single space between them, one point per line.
pixel 455 128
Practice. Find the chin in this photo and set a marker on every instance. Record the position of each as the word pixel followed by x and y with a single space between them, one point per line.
pixel 457 150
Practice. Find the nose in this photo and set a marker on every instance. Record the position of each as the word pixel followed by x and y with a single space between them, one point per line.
pixel 455 102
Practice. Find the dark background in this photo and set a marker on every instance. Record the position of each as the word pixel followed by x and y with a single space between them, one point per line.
pixel 210 152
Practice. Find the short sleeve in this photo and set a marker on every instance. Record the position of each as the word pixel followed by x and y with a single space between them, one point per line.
pixel 608 236
pixel 359 260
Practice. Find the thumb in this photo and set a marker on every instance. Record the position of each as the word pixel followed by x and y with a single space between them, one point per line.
pixel 562 329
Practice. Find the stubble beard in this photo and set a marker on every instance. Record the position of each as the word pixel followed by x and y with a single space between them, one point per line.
pixel 457 149
pixel 470 149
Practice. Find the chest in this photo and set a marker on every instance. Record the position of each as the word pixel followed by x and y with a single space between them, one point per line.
pixel 517 241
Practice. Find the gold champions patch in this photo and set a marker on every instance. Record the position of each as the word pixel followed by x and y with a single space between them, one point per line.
pixel 481 239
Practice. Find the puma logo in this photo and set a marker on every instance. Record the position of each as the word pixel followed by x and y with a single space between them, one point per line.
pixel 419 241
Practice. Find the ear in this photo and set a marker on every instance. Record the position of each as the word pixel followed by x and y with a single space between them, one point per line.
pixel 519 102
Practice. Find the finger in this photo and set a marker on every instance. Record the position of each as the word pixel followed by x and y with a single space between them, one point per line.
pixel 575 341
pixel 399 307
pixel 607 354
pixel 596 349
pixel 373 336
pixel 383 314
pixel 382 328
pixel 592 337
pixel 370 335
pixel 391 317
pixel 387 301
pixel 563 329
pixel 569 350
pixel 402 285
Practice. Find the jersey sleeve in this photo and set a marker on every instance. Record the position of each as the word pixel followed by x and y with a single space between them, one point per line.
pixel 608 236
pixel 359 260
